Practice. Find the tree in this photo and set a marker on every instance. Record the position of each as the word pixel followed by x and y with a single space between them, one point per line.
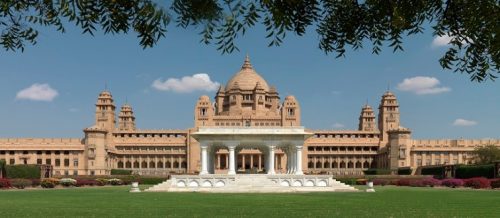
pixel 472 25
pixel 487 154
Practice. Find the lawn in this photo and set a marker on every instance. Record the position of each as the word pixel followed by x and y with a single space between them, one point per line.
pixel 117 202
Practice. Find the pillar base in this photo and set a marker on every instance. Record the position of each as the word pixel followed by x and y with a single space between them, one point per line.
pixel 299 173
pixel 203 172
pixel 231 173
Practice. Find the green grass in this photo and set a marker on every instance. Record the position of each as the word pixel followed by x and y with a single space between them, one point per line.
pixel 117 202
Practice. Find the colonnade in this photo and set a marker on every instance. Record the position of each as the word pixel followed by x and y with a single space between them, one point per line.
pixel 294 158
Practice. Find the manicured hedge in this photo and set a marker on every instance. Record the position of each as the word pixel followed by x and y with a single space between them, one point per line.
pixel 436 171
pixel 404 171
pixel 121 172
pixel 377 172
pixel 151 180
pixel 22 171
pixel 470 171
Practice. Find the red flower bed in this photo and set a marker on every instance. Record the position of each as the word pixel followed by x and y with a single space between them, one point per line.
pixel 452 183
pixel 495 183
pixel 431 182
pixel 381 182
pixel 403 182
pixel 5 183
pixel 478 182
pixel 85 182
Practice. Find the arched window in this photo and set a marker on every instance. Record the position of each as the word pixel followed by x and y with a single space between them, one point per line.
pixel 144 164
pixel 358 164
pixel 120 164
pixel 160 164
pixel 318 164
pixel 176 164
pixel 366 164
pixel 350 164
pixel 152 164
pixel 136 164
pixel 128 165
pixel 326 164
pixel 310 164
pixel 335 164
pixel 342 164
pixel 184 164
pixel 168 164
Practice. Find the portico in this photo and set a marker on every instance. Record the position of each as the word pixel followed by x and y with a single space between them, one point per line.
pixel 289 139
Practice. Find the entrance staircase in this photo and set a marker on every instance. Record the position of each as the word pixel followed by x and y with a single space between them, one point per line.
pixel 251 183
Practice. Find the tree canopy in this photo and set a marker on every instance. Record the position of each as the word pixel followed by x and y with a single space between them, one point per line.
pixel 472 25
pixel 487 154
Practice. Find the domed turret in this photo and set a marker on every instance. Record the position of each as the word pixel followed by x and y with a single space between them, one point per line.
pixel 367 119
pixel 246 78
pixel 126 118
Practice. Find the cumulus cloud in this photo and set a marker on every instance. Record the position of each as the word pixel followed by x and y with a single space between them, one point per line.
pixel 38 92
pixel 338 125
pixel 464 122
pixel 422 85
pixel 440 41
pixel 196 82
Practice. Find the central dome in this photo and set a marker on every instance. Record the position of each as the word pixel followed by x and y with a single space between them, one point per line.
pixel 247 78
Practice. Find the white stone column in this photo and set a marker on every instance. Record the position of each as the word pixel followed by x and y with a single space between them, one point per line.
pixel 271 161
pixel 293 160
pixel 231 170
pixel 298 167
pixel 204 160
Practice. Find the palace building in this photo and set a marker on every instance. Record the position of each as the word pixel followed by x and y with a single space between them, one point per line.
pixel 246 128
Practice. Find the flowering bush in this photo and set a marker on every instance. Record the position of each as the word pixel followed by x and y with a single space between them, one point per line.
pixel 85 182
pixel 430 182
pixel 20 183
pixel 495 183
pixel 416 183
pixel 4 183
pixel 452 183
pixel 115 181
pixel 381 182
pixel 478 182
pixel 49 183
pixel 101 181
pixel 66 182
pixel 35 182
pixel 403 182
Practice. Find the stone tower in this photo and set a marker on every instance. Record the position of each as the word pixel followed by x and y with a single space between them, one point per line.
pixel 388 116
pixel 204 112
pixel 290 112
pixel 367 119
pixel 97 136
pixel 126 118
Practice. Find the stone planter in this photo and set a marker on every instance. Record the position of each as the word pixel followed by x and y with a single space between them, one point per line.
pixel 370 187
pixel 135 187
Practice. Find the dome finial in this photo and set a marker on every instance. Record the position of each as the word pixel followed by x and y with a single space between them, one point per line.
pixel 247 64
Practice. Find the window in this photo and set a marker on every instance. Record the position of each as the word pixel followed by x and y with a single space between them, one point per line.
pixel 290 112
pixel 58 152
pixel 11 152
pixel 66 173
pixel 75 162
pixel 39 161
pixel 75 172
pixel 47 152
pixel 203 112
pixel 66 152
pixel 39 152
pixel 25 152
pixel 58 162
pixel 48 161
pixel 2 152
pixel 92 173
pixel 66 162
pixel 12 161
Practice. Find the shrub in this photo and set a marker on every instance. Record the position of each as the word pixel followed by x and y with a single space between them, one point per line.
pixel 345 181
pixel 361 181
pixel 66 182
pixel 377 172
pixel 416 183
pixel 101 181
pixel 151 180
pixel 404 171
pixel 403 182
pixel 49 183
pixel 452 183
pixel 20 183
pixel 121 172
pixel 2 168
pixel 85 182
pixel 471 171
pixel 35 182
pixel 436 171
pixel 495 183
pixel 430 182
pixel 22 171
pixel 5 183
pixel 381 182
pixel 477 183
pixel 115 181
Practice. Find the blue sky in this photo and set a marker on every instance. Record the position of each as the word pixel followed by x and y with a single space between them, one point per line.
pixel 67 71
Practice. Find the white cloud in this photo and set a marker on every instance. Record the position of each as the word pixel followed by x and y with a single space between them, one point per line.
pixel 464 122
pixel 422 85
pixel 338 125
pixel 38 92
pixel 197 82
pixel 440 41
